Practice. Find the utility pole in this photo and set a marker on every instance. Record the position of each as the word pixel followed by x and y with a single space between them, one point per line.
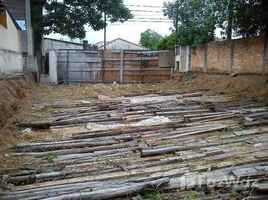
pixel 230 19
pixel 105 31
pixel 176 21
pixel 177 17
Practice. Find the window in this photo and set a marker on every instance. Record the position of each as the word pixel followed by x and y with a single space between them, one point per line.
pixel 22 24
pixel 3 17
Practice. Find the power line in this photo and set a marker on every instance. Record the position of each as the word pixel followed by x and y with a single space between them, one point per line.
pixel 148 18
pixel 151 11
pixel 144 6
pixel 145 21
pixel 149 14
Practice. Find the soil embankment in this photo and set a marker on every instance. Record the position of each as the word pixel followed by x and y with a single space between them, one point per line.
pixel 12 92
pixel 245 85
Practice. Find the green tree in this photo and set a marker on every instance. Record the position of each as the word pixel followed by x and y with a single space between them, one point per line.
pixel 168 42
pixel 251 17
pixel 150 39
pixel 69 17
pixel 194 20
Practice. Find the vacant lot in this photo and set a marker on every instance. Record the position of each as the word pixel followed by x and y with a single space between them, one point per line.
pixel 103 141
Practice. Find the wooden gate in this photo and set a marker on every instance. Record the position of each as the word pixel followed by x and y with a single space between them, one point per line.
pixel 79 66
pixel 137 66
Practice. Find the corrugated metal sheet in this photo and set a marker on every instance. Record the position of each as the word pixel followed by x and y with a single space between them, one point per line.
pixel 120 44
pixel 79 66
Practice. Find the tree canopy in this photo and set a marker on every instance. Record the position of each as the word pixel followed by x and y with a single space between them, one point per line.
pixel 150 39
pixel 251 17
pixel 69 17
pixel 195 21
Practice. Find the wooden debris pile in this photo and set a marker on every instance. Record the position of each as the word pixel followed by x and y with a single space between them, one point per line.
pixel 121 147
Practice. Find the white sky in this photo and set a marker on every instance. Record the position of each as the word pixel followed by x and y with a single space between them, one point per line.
pixel 129 30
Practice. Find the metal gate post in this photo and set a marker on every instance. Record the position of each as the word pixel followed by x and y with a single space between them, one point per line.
pixel 67 67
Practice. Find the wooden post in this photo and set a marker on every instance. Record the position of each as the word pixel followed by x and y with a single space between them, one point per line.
pixel 122 67
pixel 105 42
pixel 140 68
pixel 206 58
pixel 102 66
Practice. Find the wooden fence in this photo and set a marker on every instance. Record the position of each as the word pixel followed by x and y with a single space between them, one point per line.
pixel 137 66
pixel 114 66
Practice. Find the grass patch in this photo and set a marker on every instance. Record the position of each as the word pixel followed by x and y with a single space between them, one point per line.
pixel 51 158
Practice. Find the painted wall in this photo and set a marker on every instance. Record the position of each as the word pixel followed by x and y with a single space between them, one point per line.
pixel 244 55
pixel 10 36
pixel 10 62
pixel 10 48
pixel 57 44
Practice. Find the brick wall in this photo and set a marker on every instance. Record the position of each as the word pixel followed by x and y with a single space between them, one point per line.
pixel 198 58
pixel 240 55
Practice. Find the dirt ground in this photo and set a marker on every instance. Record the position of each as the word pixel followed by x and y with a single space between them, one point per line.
pixel 246 85
pixel 18 96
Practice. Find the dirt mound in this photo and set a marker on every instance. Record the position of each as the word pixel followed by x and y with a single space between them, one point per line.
pixel 12 91
pixel 252 85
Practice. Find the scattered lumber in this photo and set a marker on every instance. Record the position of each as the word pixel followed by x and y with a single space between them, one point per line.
pixel 204 140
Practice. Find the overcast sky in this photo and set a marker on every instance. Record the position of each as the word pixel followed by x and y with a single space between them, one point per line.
pixel 131 30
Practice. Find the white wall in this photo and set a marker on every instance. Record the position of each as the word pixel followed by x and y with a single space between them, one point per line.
pixel 56 45
pixel 10 36
pixel 10 49
pixel 53 72
pixel 10 62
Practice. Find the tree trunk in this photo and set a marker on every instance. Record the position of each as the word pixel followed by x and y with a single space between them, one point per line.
pixel 230 19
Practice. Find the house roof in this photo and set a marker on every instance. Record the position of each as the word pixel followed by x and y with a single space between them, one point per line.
pixel 56 40
pixel 102 43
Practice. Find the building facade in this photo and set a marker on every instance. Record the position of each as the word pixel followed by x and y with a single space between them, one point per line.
pixel 10 44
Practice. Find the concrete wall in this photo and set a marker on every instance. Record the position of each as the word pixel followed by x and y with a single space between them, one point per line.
pixel 10 36
pixel 50 44
pixel 244 55
pixel 10 48
pixel 53 72
pixel 183 59
pixel 10 62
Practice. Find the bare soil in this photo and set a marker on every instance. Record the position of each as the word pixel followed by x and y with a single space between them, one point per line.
pixel 18 96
